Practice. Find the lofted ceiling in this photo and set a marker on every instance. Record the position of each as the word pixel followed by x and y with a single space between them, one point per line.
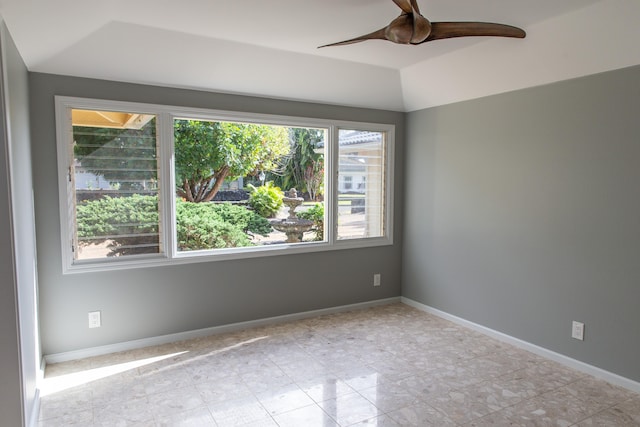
pixel 269 48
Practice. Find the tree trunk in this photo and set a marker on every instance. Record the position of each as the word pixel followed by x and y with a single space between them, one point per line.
pixel 197 192
pixel 202 189
pixel 219 177
pixel 185 191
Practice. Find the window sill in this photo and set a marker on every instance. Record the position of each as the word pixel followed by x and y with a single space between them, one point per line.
pixel 92 266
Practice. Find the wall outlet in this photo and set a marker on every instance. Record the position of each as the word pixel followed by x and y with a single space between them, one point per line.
pixel 376 279
pixel 94 319
pixel 577 331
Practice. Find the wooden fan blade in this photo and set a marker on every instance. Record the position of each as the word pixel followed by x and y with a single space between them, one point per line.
pixel 381 34
pixel 405 5
pixel 414 5
pixel 447 30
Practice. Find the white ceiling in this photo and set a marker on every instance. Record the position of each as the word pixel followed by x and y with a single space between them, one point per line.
pixel 269 48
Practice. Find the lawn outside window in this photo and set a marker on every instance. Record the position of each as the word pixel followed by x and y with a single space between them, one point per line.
pixel 144 184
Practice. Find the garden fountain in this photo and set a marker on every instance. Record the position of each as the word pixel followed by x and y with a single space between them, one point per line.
pixel 292 226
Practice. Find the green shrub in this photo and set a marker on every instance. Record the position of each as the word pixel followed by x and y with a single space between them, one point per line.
pixel 315 214
pixel 128 222
pixel 200 227
pixel 212 225
pixel 265 200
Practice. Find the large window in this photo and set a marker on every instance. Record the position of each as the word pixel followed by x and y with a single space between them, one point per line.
pixel 146 184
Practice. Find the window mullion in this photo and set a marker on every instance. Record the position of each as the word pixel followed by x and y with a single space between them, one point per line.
pixel 65 177
pixel 331 193
pixel 167 180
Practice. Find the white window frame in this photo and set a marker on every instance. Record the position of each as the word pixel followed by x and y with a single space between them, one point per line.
pixel 169 254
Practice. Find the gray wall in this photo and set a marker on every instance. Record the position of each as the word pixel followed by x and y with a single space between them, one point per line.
pixel 154 301
pixel 524 214
pixel 19 349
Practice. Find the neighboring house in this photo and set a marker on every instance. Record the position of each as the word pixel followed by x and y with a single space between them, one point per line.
pixel 88 181
pixel 356 148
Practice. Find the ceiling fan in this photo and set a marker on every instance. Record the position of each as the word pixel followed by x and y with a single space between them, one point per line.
pixel 413 28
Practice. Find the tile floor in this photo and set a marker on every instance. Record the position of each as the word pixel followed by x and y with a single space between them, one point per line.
pixel 385 366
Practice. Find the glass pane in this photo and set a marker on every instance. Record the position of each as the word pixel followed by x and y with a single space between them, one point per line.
pixel 115 184
pixel 233 183
pixel 360 184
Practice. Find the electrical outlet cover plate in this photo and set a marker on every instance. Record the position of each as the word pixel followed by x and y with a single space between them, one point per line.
pixel 577 331
pixel 94 319
pixel 376 279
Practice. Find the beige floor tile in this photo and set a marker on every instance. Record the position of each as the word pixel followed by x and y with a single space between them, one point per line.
pixel 81 418
pixel 420 414
pixel 350 409
pixel 495 419
pixel 165 379
pixel 228 388
pixel 557 408
pixel 626 414
pixel 538 379
pixel 134 412
pixel 389 397
pixel 308 416
pixel 239 412
pixel 66 402
pixel 460 406
pixel 57 369
pixel 325 387
pixel 362 377
pixel 498 394
pixel 381 421
pixel 285 399
pixel 384 366
pixel 425 386
pixel 197 417
pixel 117 388
pixel 176 400
pixel 598 394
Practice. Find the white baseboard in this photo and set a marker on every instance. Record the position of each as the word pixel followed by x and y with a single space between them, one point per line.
pixel 35 409
pixel 165 339
pixel 541 351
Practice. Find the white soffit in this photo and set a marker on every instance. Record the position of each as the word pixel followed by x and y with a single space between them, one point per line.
pixel 598 38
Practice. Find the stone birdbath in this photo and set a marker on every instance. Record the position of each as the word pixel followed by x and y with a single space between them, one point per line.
pixel 292 226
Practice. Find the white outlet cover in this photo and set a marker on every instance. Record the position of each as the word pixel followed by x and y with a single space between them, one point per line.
pixel 94 319
pixel 577 331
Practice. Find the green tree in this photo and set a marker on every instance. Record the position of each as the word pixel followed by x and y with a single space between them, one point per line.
pixel 207 153
pixel 304 167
